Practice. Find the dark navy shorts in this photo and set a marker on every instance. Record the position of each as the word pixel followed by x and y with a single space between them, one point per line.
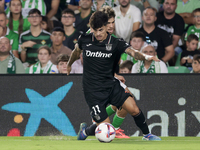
pixel 98 100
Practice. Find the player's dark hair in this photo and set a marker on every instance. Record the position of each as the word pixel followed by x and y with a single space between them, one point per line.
pixel 108 10
pixel 192 37
pixel 126 64
pixel 196 10
pixel 137 34
pixel 68 11
pixel 48 22
pixel 98 20
pixel 44 47
pixel 155 11
pixel 196 57
pixel 58 29
pixel 34 11
pixel 63 58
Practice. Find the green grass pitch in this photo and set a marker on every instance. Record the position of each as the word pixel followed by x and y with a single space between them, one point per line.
pixel 70 143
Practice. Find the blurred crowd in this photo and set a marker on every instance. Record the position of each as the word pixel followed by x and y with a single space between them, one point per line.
pixel 38 36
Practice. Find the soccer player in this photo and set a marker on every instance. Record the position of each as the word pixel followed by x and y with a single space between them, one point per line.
pixel 101 53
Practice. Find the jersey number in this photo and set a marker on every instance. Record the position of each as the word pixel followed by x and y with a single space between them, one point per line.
pixel 96 109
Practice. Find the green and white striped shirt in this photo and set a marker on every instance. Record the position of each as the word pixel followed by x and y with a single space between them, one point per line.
pixel 27 5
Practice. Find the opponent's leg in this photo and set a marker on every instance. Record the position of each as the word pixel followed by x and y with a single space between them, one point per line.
pixel 111 110
pixel 131 107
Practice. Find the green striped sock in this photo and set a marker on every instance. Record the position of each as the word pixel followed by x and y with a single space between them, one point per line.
pixel 109 110
pixel 117 121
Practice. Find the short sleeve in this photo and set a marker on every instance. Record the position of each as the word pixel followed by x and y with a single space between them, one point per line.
pixel 122 45
pixel 137 15
pixel 180 25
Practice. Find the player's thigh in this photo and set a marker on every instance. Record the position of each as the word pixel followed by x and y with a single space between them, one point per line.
pixel 97 102
pixel 130 106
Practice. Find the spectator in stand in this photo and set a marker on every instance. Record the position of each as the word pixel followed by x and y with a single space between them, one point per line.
pixel 185 8
pixel 126 67
pixel 137 40
pixel 44 65
pixel 34 38
pixel 82 18
pixel 12 36
pixel 191 50
pixel 73 4
pixel 97 4
pixel 62 60
pixel 77 66
pixel 3 4
pixel 196 64
pixel 127 19
pixel 195 29
pixel 16 21
pixel 155 36
pixel 8 62
pixel 170 21
pixel 48 24
pixel 142 4
pixel 149 66
pixel 27 5
pixel 52 7
pixel 57 38
pixel 72 34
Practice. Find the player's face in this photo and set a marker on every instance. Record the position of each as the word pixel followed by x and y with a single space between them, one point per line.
pixel 169 6
pixel 3 21
pixel 101 33
pixel 15 6
pixel 197 18
pixel 149 17
pixel 62 67
pixel 57 38
pixel 192 46
pixel 149 50
pixel 196 66
pixel 124 70
pixel 35 19
pixel 85 4
pixel 124 3
pixel 111 25
pixel 67 19
pixel 137 43
pixel 43 56
pixel 4 46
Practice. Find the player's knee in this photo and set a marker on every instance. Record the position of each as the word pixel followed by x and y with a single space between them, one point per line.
pixel 114 108
pixel 122 113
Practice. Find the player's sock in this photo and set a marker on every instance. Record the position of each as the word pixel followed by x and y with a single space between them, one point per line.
pixel 117 121
pixel 109 110
pixel 90 130
pixel 141 122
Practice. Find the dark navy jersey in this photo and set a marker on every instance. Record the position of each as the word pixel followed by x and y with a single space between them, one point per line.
pixel 100 60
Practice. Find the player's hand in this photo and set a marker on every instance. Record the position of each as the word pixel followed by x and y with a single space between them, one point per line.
pixel 68 69
pixel 155 58
pixel 183 60
pixel 121 78
pixel 28 44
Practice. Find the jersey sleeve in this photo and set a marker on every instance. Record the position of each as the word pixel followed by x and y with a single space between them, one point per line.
pixel 122 45
pixel 15 43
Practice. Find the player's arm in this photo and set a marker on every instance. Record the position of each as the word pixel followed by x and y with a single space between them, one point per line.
pixel 140 56
pixel 74 56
